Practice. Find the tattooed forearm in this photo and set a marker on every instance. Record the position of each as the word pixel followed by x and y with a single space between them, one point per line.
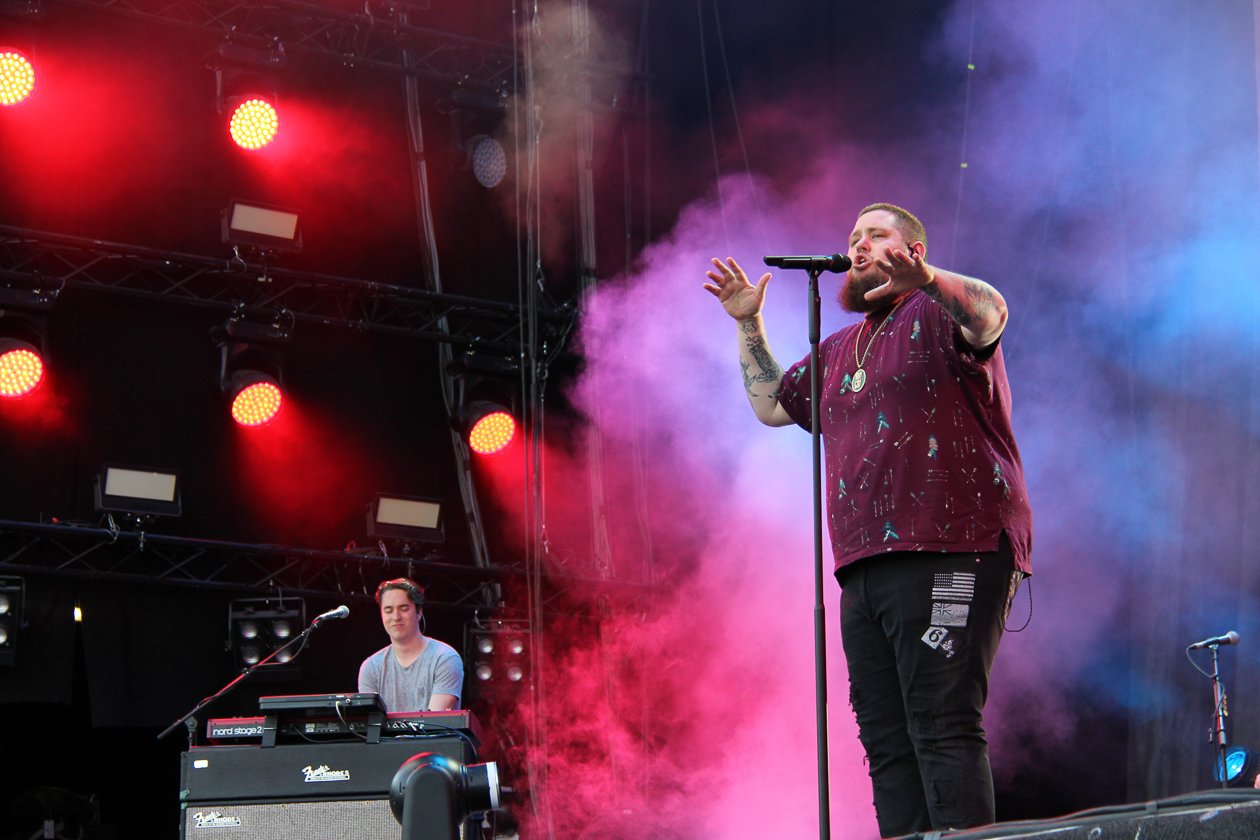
pixel 972 304
pixel 761 373
pixel 952 307
pixel 770 370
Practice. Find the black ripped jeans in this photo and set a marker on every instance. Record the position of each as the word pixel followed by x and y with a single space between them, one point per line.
pixel 920 634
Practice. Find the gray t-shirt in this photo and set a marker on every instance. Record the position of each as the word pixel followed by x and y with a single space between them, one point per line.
pixel 438 670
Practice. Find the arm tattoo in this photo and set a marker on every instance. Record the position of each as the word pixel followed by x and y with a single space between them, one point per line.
pixel 952 307
pixel 770 370
pixel 748 380
pixel 981 299
pixel 978 306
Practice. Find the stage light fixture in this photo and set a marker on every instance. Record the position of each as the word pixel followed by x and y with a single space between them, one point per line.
pixel 137 491
pixel 261 227
pixel 491 427
pixel 488 160
pixel 256 398
pixel 432 794
pixel 12 600
pixel 258 627
pixel 499 654
pixel 1241 766
pixel 20 25
pixel 254 124
pixel 24 315
pixel 476 117
pixel 487 385
pixel 408 518
pixel 17 77
pixel 21 368
pixel 245 88
pixel 251 361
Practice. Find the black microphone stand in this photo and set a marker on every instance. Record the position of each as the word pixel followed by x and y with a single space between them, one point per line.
pixel 820 637
pixel 1219 714
pixel 189 719
pixel 814 266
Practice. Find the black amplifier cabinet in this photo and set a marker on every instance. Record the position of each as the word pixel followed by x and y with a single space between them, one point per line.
pixel 312 791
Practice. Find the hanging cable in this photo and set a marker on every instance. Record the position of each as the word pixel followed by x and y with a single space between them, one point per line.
pixel 962 143
pixel 708 104
pixel 739 130
pixel 531 278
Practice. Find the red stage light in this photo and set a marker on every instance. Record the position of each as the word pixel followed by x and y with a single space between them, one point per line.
pixel 492 433
pixel 254 124
pixel 21 369
pixel 257 404
pixel 17 78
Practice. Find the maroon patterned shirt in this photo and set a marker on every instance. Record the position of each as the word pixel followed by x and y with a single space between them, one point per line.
pixel 922 458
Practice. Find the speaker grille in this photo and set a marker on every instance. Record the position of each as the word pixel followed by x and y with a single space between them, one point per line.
pixel 1209 815
pixel 369 819
pixel 1224 823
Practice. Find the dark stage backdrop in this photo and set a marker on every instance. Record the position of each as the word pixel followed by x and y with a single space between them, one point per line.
pixel 123 145
pixel 1109 191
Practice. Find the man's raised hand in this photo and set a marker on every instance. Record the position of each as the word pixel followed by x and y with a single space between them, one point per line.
pixel 740 298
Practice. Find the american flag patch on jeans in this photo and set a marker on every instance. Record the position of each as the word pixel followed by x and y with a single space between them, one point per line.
pixel 953 586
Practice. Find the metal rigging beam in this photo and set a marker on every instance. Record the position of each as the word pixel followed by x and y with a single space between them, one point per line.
pixel 111 554
pixel 378 36
pixel 49 262
pixel 136 556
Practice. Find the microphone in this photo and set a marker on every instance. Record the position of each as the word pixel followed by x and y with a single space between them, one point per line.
pixel 341 612
pixel 1230 638
pixel 836 262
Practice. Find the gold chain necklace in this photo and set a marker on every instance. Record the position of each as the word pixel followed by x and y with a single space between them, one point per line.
pixel 859 375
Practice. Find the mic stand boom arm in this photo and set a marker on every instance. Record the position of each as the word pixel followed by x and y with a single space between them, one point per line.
pixel 237 680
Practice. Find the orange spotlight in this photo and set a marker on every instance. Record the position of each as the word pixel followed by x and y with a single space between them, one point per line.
pixel 491 428
pixel 256 399
pixel 17 77
pixel 21 368
pixel 251 365
pixel 254 124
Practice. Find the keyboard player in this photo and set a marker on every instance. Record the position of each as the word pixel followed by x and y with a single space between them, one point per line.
pixel 414 672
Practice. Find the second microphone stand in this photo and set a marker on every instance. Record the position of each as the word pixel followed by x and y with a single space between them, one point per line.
pixel 1219 713
pixel 189 719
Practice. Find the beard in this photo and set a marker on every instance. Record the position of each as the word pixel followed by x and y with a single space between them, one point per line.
pixel 852 295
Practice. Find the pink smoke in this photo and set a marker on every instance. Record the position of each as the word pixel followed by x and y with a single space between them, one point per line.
pixel 690 708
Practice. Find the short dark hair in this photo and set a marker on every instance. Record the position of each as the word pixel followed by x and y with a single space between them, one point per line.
pixel 414 590
pixel 909 225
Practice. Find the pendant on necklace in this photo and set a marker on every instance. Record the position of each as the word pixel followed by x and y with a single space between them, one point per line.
pixel 859 380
